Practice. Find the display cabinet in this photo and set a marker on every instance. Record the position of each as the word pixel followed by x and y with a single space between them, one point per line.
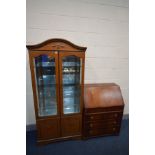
pixel 57 73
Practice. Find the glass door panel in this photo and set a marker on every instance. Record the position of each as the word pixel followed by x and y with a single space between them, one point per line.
pixel 71 78
pixel 45 77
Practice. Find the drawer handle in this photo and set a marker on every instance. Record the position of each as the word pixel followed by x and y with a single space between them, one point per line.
pixel 115 122
pixel 91 117
pixel 90 132
pixel 114 129
pixel 91 125
pixel 116 115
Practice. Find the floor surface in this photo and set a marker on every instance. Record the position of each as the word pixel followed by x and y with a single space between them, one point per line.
pixel 110 145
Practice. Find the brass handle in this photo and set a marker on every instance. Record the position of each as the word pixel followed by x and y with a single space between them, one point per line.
pixel 116 115
pixel 91 117
pixel 90 132
pixel 91 125
pixel 115 122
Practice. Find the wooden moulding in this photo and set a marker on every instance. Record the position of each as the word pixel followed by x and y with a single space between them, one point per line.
pixel 56 44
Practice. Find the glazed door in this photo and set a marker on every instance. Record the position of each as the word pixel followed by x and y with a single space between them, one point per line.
pixel 44 72
pixel 71 82
pixel 71 67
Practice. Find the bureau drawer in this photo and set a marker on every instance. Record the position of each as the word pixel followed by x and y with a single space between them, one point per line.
pixel 102 124
pixel 103 116
pixel 104 131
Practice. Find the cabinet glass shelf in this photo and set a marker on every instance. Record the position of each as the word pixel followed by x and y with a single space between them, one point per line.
pixel 45 70
pixel 71 109
pixel 52 64
pixel 71 63
pixel 71 79
pixel 71 91
pixel 46 79
pixel 48 111
pixel 45 64
pixel 71 104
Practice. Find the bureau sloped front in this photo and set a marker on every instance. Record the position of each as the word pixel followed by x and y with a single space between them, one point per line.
pixel 103 110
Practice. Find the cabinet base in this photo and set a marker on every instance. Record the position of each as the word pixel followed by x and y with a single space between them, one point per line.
pixel 48 141
pixel 103 135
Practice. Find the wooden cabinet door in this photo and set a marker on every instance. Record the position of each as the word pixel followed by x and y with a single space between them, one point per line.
pixel 48 128
pixel 71 125
pixel 44 72
pixel 71 71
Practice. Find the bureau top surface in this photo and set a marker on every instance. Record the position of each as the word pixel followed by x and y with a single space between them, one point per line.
pixel 102 95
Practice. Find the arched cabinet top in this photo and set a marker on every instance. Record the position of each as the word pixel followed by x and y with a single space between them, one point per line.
pixel 56 44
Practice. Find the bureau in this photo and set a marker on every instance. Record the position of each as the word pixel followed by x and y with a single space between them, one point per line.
pixel 103 110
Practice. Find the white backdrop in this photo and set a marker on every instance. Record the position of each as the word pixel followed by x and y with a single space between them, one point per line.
pixel 100 25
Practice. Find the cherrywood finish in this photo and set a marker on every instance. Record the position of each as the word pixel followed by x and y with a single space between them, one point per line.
pixel 82 56
pixel 48 128
pixel 102 95
pixel 60 126
pixel 56 44
pixel 32 55
pixel 71 125
pixel 103 110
